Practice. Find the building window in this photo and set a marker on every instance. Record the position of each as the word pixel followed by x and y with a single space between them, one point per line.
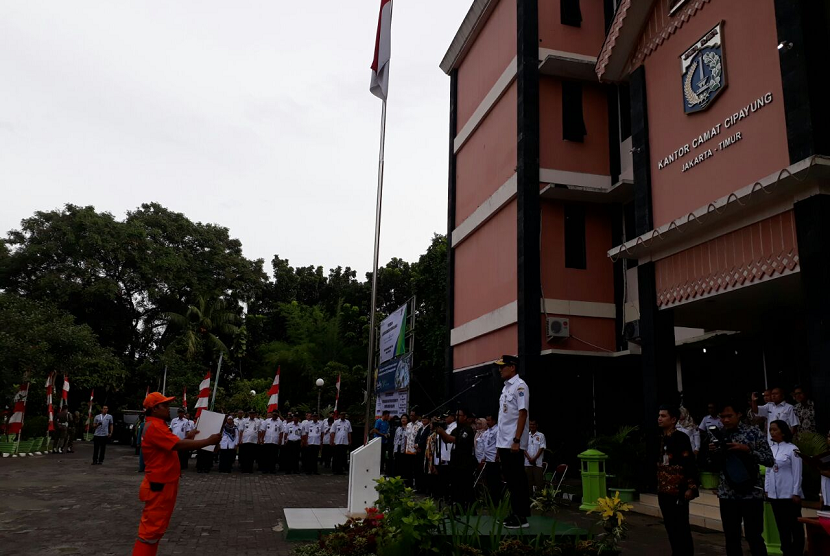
pixel 573 122
pixel 575 254
pixel 570 13
pixel 625 111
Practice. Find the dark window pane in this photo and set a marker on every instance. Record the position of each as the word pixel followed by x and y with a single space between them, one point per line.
pixel 573 122
pixel 570 13
pixel 575 255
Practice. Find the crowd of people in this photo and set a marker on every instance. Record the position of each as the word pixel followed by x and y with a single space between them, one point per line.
pixel 737 438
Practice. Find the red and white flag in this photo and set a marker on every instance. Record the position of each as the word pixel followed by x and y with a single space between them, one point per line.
pixel 65 391
pixel 50 385
pixel 383 46
pixel 337 396
pixel 16 421
pixel 204 394
pixel 184 399
pixel 274 393
pixel 89 411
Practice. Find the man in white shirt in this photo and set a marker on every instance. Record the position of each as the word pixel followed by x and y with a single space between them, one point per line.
pixel 249 430
pixel 180 426
pixel 776 409
pixel 514 405
pixel 711 419
pixel 292 432
pixel 270 431
pixel 101 433
pixel 312 439
pixel 341 439
pixel 492 472
pixel 534 457
pixel 444 456
pixel 327 447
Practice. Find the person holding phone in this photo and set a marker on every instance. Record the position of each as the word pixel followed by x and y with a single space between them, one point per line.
pixel 677 482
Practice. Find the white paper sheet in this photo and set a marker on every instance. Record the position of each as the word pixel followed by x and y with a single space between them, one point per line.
pixel 209 423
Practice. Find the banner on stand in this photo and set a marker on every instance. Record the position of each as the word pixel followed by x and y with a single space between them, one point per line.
pixel 395 402
pixel 394 374
pixel 392 335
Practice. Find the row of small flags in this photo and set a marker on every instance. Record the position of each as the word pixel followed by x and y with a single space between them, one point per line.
pixel 15 424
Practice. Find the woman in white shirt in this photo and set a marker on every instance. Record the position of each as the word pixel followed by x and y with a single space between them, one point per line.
pixel 227 446
pixel 398 447
pixel 783 488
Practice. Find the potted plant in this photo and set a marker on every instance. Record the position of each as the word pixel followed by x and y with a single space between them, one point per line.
pixel 625 450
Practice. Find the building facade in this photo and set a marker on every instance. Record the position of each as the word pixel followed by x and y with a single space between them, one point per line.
pixel 637 203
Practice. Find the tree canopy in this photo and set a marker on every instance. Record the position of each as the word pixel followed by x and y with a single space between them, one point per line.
pixel 113 302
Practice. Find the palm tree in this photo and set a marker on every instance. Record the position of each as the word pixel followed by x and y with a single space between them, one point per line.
pixel 203 322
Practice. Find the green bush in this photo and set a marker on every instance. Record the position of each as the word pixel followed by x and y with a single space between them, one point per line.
pixel 34 427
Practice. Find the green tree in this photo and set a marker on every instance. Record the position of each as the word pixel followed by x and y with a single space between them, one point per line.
pixel 201 325
pixel 38 338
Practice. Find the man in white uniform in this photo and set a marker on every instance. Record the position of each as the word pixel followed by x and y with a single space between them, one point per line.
pixel 312 439
pixel 534 458
pixel 492 473
pixel 270 431
pixel 776 409
pixel 249 429
pixel 180 426
pixel 512 440
pixel 341 439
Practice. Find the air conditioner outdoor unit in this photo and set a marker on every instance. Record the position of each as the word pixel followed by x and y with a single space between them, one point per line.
pixel 558 328
pixel 631 332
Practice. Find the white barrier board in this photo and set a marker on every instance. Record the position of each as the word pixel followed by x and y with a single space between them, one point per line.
pixel 364 469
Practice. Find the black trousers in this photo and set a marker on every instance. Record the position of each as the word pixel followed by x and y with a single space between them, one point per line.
pixel 310 453
pixel 495 485
pixel 416 465
pixel 461 479
pixel 204 461
pixel 247 455
pixel 99 448
pixel 513 469
pixel 268 461
pixel 751 513
pixel 675 510
pixel 338 464
pixel 226 459
pixel 402 468
pixel 327 453
pixel 443 486
pixel 183 458
pixel 786 514
pixel 292 456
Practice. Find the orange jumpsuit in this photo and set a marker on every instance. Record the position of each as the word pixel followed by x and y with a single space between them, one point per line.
pixel 160 486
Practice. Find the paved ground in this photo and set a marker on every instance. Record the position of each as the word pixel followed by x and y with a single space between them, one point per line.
pixel 61 505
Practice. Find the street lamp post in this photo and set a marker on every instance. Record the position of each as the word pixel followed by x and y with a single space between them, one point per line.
pixel 319 384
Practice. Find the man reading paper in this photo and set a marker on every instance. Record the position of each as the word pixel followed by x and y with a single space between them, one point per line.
pixel 162 471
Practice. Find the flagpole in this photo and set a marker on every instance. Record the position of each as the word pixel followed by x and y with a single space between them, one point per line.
pixel 371 364
pixel 164 384
pixel 216 382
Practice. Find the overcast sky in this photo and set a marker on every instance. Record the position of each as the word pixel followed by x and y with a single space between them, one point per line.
pixel 253 115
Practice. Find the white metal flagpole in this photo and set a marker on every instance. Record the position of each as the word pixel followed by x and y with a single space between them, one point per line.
pixel 216 382
pixel 370 366
pixel 164 384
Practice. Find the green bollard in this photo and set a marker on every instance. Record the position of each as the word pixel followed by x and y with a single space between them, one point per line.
pixel 771 537
pixel 593 478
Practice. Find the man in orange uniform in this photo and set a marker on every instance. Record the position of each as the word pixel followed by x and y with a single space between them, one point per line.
pixel 162 470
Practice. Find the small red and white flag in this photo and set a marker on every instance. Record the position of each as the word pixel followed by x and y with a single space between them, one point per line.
pixel 50 385
pixel 65 391
pixel 337 396
pixel 274 393
pixel 383 46
pixel 184 399
pixel 16 421
pixel 204 394
pixel 89 411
